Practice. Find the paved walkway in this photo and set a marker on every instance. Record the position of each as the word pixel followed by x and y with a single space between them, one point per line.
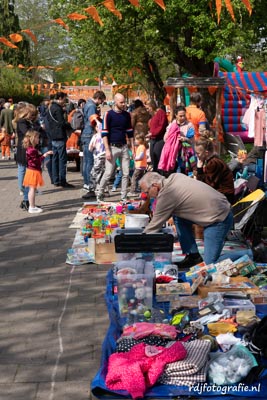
pixel 53 317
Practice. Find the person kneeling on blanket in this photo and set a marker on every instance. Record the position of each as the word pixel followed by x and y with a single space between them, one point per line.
pixel 193 202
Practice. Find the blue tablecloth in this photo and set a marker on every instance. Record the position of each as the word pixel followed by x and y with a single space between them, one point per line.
pixel 100 391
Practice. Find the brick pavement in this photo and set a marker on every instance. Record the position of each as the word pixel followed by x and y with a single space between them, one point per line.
pixel 53 319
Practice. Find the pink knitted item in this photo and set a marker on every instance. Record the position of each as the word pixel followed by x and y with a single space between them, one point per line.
pixel 140 368
pixel 143 329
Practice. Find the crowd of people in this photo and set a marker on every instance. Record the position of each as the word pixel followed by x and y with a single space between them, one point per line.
pixel 122 145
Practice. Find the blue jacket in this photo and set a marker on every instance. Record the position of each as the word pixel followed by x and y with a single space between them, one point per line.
pixel 90 108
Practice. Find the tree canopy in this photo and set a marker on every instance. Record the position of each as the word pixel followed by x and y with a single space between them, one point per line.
pixel 9 23
pixel 186 37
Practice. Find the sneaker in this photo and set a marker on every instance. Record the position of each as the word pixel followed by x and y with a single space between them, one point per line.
pixel 35 210
pixel 89 195
pixel 190 261
pixel 132 194
pixel 3 158
pixel 114 189
pixel 100 197
pixel 21 193
pixel 86 187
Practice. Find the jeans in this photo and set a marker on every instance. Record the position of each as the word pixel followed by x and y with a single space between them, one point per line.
pixel 118 178
pixel 59 161
pixel 214 237
pixel 88 162
pixel 21 174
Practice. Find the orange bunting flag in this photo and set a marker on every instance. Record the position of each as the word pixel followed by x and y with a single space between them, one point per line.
pixel 21 66
pixel 29 33
pixel 135 3
pixel 7 43
pixel 62 23
pixel 109 4
pixel 161 4
pixel 219 9
pixel 230 8
pixel 247 5
pixel 94 14
pixel 15 37
pixel 76 69
pixel 32 89
pixel 30 68
pixel 76 16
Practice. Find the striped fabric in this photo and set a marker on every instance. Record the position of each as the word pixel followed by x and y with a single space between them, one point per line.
pixel 190 370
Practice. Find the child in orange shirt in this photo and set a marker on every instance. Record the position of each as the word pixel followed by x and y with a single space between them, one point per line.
pixel 140 163
pixel 5 140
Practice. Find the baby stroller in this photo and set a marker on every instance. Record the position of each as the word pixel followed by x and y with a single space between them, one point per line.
pixel 248 218
pixel 98 169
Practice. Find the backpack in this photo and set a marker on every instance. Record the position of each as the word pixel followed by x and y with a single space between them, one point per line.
pixel 77 122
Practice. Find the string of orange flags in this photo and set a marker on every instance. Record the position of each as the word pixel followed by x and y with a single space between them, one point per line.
pixel 75 16
pixel 78 86
pixel 75 70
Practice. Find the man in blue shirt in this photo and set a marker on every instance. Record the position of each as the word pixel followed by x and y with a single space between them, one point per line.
pixel 89 109
pixel 117 133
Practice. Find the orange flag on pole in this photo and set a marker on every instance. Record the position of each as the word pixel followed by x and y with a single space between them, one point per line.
pixel 230 8
pixel 76 16
pixel 161 4
pixel 7 43
pixel 62 23
pixel 135 3
pixel 16 37
pixel 94 14
pixel 29 33
pixel 247 5
pixel 109 4
pixel 219 9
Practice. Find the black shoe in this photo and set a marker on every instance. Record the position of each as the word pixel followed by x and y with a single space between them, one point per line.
pixel 89 195
pixel 67 185
pixel 24 205
pixel 190 260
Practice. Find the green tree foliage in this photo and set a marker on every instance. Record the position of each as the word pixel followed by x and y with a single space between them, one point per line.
pixel 9 23
pixel 186 36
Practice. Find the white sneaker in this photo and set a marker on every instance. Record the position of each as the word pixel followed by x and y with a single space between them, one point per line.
pixel 114 189
pixel 86 187
pixel 21 193
pixel 99 197
pixel 35 210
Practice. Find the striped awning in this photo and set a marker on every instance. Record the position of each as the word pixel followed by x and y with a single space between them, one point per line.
pixel 248 82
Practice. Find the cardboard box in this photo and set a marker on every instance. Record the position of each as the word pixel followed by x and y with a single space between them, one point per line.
pixel 105 253
pixel 241 283
pixel 165 290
